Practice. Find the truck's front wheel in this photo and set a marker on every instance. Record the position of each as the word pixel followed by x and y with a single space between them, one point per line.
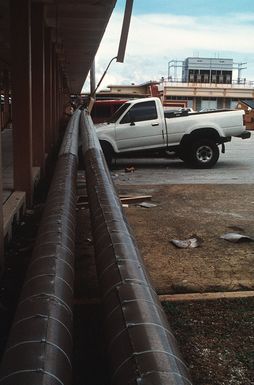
pixel 107 152
pixel 203 153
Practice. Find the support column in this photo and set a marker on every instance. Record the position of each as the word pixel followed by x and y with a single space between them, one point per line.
pixel 21 95
pixel 59 106
pixel 38 85
pixel 49 138
pixel 194 103
pixel 1 195
pixel 54 93
pixel 1 90
pixel 57 98
pixel 6 114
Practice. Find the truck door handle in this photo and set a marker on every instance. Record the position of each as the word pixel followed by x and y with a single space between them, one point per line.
pixel 155 124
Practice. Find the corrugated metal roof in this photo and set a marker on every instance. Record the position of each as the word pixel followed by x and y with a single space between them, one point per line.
pixel 78 27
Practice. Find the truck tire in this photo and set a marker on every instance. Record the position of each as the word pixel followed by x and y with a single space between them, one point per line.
pixel 107 152
pixel 183 156
pixel 203 153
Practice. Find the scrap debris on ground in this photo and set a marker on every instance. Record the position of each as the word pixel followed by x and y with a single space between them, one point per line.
pixel 235 237
pixel 185 210
pixel 191 243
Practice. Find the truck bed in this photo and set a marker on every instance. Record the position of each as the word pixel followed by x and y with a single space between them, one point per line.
pixel 175 114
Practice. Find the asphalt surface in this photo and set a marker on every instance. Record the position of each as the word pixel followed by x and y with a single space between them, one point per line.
pixel 236 166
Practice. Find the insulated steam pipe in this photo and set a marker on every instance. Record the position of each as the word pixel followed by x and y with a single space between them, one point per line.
pixel 140 345
pixel 40 342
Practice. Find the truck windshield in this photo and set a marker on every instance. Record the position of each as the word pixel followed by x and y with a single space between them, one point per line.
pixel 118 113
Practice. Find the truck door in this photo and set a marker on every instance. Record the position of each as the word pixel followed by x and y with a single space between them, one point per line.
pixel 140 128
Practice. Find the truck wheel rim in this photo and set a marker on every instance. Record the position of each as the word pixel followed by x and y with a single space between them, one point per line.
pixel 204 154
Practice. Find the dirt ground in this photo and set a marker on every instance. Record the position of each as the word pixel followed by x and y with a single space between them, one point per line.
pixel 202 211
pixel 216 338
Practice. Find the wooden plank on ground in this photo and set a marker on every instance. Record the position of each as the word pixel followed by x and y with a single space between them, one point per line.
pixel 136 199
pixel 123 198
pixel 206 296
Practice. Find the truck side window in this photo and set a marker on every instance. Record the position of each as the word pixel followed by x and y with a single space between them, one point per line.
pixel 141 112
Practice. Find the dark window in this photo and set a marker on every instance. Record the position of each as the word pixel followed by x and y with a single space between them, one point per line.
pixel 101 111
pixel 116 115
pixel 140 112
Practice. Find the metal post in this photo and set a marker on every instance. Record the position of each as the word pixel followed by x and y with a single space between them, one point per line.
pixel 125 31
pixel 92 78
pixel 48 92
pixel 22 96
pixel 38 85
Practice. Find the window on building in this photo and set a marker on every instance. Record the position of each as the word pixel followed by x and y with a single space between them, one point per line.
pixel 228 78
pixel 206 78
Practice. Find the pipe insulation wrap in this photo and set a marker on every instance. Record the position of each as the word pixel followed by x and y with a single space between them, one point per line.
pixel 39 347
pixel 140 345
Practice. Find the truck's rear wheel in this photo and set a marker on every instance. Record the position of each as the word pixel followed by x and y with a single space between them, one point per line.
pixel 107 152
pixel 203 154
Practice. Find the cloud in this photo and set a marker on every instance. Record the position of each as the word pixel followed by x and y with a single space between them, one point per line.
pixel 155 39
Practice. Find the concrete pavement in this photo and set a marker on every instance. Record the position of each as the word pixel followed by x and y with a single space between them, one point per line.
pixel 236 166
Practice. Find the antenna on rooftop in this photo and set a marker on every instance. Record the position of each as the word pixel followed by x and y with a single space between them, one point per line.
pixel 240 67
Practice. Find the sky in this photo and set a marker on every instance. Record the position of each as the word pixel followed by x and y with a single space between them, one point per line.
pixel 165 30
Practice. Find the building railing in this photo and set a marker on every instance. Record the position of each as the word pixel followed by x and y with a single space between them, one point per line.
pixel 234 84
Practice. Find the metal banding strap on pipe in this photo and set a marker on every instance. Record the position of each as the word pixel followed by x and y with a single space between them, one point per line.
pixel 70 140
pixel 140 345
pixel 40 343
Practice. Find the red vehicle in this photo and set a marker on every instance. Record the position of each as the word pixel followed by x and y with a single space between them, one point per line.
pixel 104 109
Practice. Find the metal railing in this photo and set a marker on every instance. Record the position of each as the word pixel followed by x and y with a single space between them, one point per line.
pixel 234 85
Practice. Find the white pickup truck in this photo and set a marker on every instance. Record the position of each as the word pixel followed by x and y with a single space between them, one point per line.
pixel 140 127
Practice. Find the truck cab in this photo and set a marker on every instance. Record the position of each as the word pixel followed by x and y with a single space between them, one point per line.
pixel 138 124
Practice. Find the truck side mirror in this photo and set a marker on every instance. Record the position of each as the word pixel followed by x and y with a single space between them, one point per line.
pixel 132 123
